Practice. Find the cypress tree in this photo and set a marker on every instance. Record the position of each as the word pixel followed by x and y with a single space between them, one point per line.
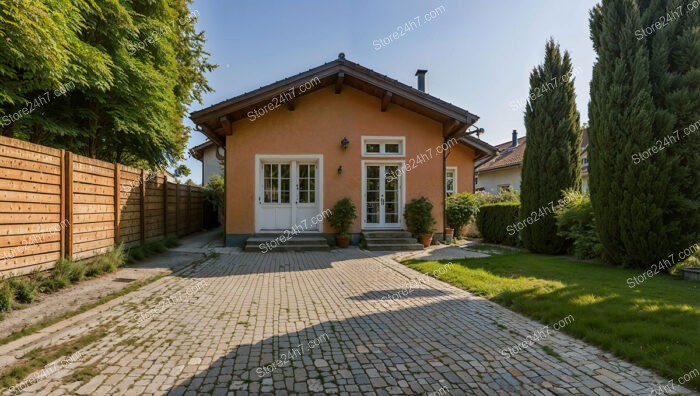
pixel 627 197
pixel 551 162
pixel 645 87
pixel 675 79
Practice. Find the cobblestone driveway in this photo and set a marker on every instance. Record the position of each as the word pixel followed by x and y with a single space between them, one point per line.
pixel 307 323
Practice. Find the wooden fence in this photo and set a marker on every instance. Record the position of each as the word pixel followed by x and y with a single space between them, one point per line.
pixel 54 204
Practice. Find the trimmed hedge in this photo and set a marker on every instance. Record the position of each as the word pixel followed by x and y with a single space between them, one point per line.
pixel 493 221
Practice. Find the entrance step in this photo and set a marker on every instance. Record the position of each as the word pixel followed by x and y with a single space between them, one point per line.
pixel 273 243
pixel 390 240
pixel 387 234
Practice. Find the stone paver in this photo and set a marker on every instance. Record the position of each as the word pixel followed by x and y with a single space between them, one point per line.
pixel 342 322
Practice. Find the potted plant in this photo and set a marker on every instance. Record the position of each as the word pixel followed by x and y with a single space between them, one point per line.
pixel 341 218
pixel 420 220
pixel 449 234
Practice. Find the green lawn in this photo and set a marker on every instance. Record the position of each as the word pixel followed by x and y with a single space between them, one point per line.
pixel 655 324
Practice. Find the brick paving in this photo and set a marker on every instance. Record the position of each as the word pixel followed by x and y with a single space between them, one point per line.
pixel 342 322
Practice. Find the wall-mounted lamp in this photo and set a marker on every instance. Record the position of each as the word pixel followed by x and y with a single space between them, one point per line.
pixel 340 169
pixel 344 143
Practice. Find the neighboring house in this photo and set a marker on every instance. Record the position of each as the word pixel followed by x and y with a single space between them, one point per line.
pixel 502 170
pixel 210 156
pixel 297 146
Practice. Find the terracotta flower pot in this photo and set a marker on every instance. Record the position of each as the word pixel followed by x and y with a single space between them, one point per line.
pixel 449 234
pixel 342 241
pixel 426 239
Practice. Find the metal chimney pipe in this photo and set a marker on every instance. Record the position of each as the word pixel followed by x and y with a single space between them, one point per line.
pixel 421 79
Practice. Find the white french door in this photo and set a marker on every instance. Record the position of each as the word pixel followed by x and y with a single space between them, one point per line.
pixel 383 195
pixel 288 195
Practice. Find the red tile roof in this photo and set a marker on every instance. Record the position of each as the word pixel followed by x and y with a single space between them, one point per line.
pixel 507 156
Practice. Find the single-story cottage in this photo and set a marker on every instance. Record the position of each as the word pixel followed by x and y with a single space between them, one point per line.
pixel 295 147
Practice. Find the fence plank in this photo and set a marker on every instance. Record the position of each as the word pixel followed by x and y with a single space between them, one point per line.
pixel 68 202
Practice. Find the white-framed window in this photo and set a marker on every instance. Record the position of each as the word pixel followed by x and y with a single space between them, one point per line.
pixel 383 146
pixel 451 180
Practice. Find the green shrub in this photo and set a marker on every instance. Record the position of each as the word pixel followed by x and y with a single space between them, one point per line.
pixel 461 209
pixel 576 223
pixel 137 253
pixel 92 270
pixel 6 297
pixel 494 219
pixel 23 290
pixel 156 247
pixel 113 259
pixel 419 216
pixel 505 195
pixel 171 242
pixel 53 283
pixel 342 216
pixel 70 270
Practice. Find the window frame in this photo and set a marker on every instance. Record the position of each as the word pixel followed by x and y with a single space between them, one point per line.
pixel 455 189
pixel 383 141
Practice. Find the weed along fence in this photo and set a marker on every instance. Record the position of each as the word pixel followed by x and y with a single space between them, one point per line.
pixel 54 204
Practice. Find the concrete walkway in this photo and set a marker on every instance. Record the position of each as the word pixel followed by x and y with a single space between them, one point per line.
pixel 343 322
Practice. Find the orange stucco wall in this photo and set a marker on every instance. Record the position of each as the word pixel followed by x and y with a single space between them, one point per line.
pixel 318 124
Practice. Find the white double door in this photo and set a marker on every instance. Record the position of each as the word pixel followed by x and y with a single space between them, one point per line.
pixel 383 195
pixel 288 195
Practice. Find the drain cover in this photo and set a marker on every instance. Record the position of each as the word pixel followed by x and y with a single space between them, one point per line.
pixel 124 280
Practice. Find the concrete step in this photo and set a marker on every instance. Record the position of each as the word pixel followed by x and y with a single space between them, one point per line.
pixel 295 239
pixel 386 234
pixel 394 241
pixel 287 248
pixel 393 247
pixel 297 243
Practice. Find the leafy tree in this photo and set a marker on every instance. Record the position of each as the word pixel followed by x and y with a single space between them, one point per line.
pixel 116 76
pixel 551 163
pixel 644 87
pixel 182 171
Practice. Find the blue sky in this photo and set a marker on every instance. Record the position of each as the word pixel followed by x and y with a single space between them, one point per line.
pixel 479 54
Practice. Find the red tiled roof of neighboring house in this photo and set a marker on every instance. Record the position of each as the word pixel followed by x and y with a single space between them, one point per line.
pixel 506 156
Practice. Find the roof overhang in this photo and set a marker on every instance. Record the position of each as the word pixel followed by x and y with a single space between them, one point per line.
pixel 198 151
pixel 216 121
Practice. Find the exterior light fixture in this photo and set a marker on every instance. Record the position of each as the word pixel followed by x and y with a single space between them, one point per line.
pixel 344 144
pixel 340 169
pixel 477 131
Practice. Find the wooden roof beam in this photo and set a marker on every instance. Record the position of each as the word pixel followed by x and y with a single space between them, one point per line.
pixel 208 132
pixel 449 128
pixel 386 99
pixel 226 125
pixel 339 82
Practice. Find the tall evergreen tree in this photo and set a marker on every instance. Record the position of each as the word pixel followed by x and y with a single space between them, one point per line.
pixel 675 79
pixel 644 88
pixel 551 162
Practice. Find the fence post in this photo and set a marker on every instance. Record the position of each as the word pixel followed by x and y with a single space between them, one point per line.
pixel 68 203
pixel 143 206
pixel 165 206
pixel 189 209
pixel 117 202
pixel 177 209
pixel 62 217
